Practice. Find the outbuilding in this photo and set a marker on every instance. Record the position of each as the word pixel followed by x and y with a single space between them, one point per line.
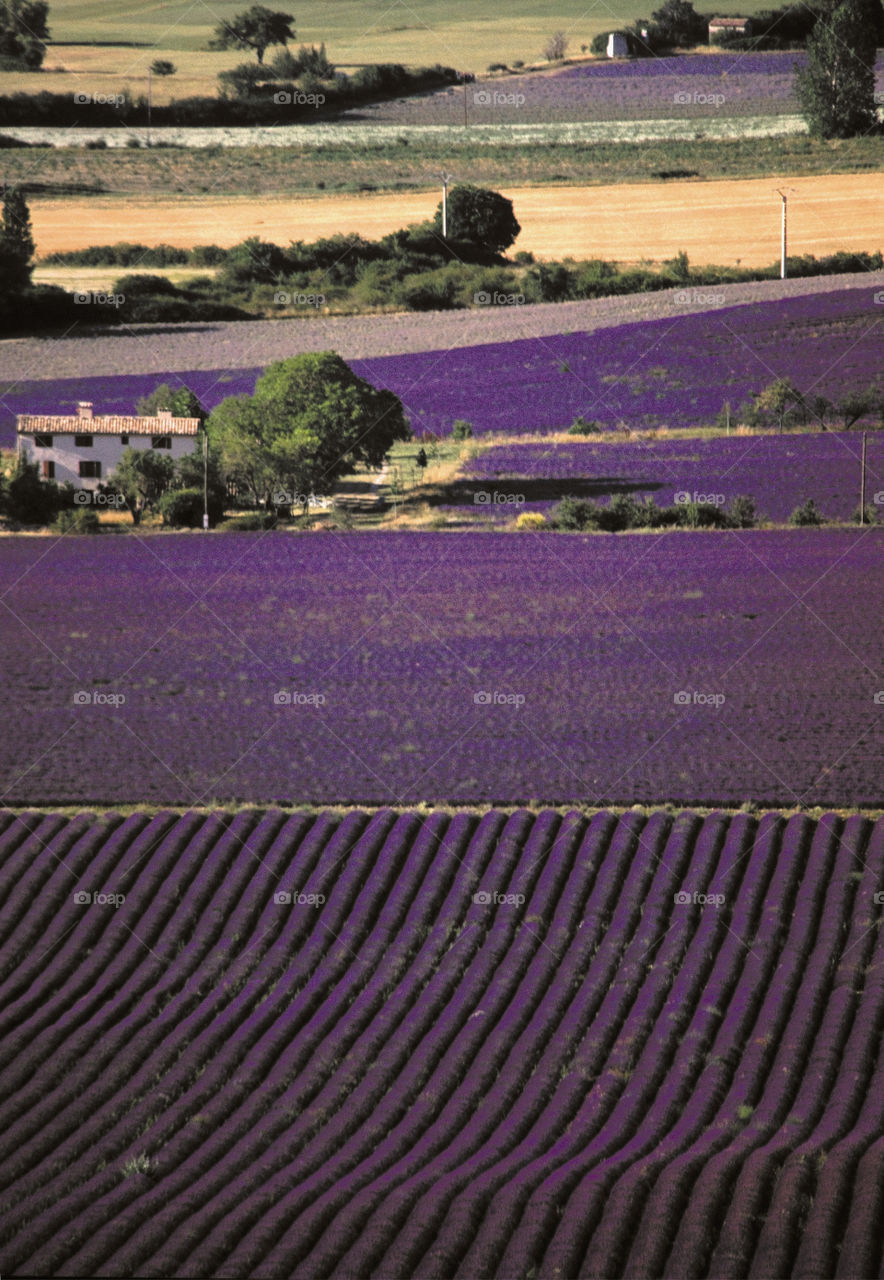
pixel 727 26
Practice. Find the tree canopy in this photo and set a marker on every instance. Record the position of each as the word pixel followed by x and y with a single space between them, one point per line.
pixel 16 244
pixel 257 28
pixel 24 31
pixel 478 217
pixel 181 400
pixel 310 420
pixel 837 88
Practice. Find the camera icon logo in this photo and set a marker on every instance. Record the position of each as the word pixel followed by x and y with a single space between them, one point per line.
pixel 482 698
pixel 879 697
pixel 482 98
pixel 482 498
pixel 82 498
pixel 282 699
pixel 83 299
pixel 282 898
pixel 81 99
pixel 482 898
pixel 682 698
pixel 82 898
pixel 82 698
pixel 682 497
pixel 879 298
pixel 282 98
pixel 281 298
pixel 682 899
pixel 481 299
pixel 282 498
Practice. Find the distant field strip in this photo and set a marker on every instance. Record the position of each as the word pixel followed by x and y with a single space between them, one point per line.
pixel 398 1044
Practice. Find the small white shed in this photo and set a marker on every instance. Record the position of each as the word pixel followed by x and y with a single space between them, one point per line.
pixel 618 45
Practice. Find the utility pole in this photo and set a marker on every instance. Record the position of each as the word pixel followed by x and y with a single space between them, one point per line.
pixel 782 193
pixel 862 484
pixel 205 477
pixel 446 178
pixel 149 102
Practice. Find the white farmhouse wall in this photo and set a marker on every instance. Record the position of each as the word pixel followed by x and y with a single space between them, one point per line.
pixel 106 449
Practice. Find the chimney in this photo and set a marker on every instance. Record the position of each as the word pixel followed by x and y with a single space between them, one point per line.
pixel 84 410
pixel 164 415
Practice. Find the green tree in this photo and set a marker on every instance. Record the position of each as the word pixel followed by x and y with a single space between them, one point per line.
pixel 677 24
pixel 837 88
pixel 859 404
pixel 257 28
pixel 782 401
pixel 16 245
pixel 142 477
pixel 163 67
pixel 23 31
pixel 478 217
pixel 311 420
pixel 181 400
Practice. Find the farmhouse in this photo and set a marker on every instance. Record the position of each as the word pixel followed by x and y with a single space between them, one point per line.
pixel 727 26
pixel 85 450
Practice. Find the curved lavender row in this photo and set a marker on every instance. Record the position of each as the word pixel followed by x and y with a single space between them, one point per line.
pixel 133 960
pixel 137 1070
pixel 86 1130
pixel 862 1253
pixel 213 1018
pixel 738 964
pixel 170 1136
pixel 842 1066
pixel 548 1103
pixel 464 1215
pixel 214 1187
pixel 22 834
pixel 565 1206
pixel 437 1064
pixel 620 1185
pixel 487 1091
pixel 802 980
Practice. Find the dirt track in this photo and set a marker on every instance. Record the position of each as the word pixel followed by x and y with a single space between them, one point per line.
pixel 714 222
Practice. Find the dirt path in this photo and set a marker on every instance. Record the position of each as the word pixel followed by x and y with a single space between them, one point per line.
pixel 722 222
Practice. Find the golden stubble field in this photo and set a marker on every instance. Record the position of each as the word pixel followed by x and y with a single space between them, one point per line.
pixel 719 222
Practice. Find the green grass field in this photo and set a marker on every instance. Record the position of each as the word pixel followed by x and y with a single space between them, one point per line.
pixel 466 34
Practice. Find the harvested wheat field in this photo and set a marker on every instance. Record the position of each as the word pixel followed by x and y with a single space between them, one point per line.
pixel 714 222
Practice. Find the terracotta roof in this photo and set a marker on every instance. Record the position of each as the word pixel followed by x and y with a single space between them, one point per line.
pixel 110 425
pixel 728 22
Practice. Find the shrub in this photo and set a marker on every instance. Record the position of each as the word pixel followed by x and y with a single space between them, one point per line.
pixel 741 513
pixel 251 521
pixel 556 47
pixel 78 521
pixel 183 508
pixel 581 427
pixel 531 520
pixel 574 514
pixel 461 429
pixel 807 514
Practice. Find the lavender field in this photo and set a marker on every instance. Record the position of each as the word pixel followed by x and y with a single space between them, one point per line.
pixel 436 1044
pixel 705 86
pixel 384 668
pixel 675 370
pixel 780 472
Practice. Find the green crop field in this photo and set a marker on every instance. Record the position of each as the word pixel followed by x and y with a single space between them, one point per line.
pixel 466 34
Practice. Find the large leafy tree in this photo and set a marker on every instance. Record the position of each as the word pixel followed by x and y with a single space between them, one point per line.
pixel 181 400
pixel 837 88
pixel 23 30
pixel 257 28
pixel 677 24
pixel 311 420
pixel 16 245
pixel 478 217
pixel 142 476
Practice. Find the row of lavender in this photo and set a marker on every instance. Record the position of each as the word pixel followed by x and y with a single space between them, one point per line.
pixel 315 1044
pixel 376 668
pixel 675 371
pixel 780 472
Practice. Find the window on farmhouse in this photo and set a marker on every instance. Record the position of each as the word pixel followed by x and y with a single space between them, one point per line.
pixel 90 470
pixel 124 437
pixel 83 442
pixel 161 442
pixel 47 469
pixel 42 442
